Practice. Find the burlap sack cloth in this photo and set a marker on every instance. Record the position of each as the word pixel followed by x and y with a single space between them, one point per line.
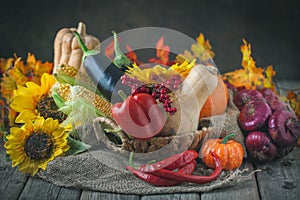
pixel 103 169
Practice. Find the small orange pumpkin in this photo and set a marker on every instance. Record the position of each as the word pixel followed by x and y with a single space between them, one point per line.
pixel 230 152
pixel 216 103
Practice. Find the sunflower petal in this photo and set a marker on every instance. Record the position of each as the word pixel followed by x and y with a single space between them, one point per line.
pixel 22 102
pixel 50 125
pixel 26 115
pixel 39 123
pixel 43 165
pixel 47 81
pixel 34 89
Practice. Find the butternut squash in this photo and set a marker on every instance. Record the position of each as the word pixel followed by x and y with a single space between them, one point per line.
pixel 67 50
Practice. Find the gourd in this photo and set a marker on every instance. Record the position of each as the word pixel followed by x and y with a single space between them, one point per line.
pixel 216 103
pixel 189 99
pixel 67 50
pixel 230 152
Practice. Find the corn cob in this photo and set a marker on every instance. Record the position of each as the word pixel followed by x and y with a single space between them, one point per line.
pixel 63 89
pixel 68 70
pixel 98 102
pixel 65 92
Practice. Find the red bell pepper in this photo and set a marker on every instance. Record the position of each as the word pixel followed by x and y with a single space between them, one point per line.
pixel 139 116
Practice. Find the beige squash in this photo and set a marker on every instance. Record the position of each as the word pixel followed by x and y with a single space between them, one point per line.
pixel 66 48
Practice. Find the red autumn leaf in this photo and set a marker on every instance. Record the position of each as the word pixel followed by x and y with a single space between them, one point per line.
pixel 132 55
pixel 162 53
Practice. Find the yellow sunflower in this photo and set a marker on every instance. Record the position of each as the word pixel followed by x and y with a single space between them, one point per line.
pixel 146 75
pixel 33 100
pixel 35 144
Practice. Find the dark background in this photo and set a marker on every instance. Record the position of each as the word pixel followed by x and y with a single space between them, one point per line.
pixel 272 27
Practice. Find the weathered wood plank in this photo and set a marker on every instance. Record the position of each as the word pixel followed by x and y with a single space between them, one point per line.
pixel 280 179
pixel 90 195
pixel 12 181
pixel 36 188
pixel 69 193
pixel 245 191
pixel 189 196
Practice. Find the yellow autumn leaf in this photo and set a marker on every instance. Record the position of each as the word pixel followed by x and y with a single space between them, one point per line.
pixel 201 50
pixel 249 76
pixel 269 73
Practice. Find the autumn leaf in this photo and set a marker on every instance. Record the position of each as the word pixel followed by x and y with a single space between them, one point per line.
pixel 250 76
pixel 162 53
pixel 201 50
pixel 293 99
pixel 110 49
pixel 132 55
pixel 37 68
pixel 269 74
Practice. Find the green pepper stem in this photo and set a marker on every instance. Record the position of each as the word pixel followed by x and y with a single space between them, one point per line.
pixel 122 95
pixel 131 161
pixel 225 139
pixel 118 51
pixel 120 60
pixel 81 43
pixel 86 51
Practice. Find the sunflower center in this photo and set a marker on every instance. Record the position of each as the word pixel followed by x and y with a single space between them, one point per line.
pixel 39 146
pixel 47 108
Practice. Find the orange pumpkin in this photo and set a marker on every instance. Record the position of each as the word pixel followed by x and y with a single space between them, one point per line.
pixel 230 152
pixel 216 103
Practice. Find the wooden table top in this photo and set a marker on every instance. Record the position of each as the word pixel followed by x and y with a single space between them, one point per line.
pixel 279 179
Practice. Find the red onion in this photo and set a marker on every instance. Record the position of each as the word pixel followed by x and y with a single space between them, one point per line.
pixel 254 115
pixel 268 93
pixel 260 147
pixel 276 104
pixel 282 126
pixel 244 96
pixel 293 125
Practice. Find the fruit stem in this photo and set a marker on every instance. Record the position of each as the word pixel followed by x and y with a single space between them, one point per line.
pixel 225 139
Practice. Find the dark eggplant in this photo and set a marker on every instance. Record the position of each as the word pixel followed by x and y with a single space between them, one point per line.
pixel 105 74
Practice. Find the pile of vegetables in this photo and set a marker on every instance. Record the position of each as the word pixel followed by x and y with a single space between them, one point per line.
pixel 270 125
pixel 143 111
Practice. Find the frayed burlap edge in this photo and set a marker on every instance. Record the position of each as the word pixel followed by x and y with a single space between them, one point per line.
pixel 84 171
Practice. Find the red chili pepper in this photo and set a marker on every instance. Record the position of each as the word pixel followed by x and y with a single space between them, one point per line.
pixel 159 181
pixel 139 116
pixel 174 162
pixel 163 173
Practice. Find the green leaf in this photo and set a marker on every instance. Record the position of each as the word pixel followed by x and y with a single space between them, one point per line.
pixel 7 158
pixel 6 133
pixel 76 147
